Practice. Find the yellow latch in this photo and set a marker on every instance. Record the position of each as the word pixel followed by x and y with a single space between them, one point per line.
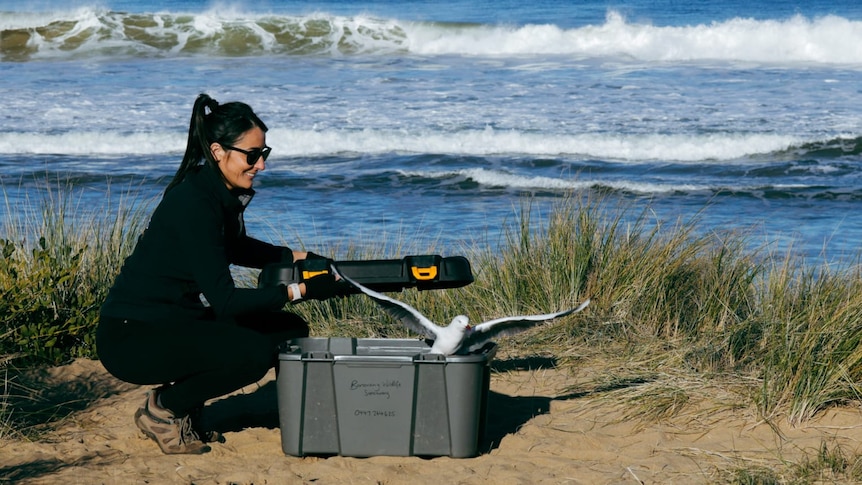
pixel 424 274
pixel 311 274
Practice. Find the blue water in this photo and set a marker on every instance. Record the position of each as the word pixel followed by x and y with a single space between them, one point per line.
pixel 432 122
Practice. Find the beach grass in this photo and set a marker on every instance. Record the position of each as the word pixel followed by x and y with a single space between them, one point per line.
pixel 675 308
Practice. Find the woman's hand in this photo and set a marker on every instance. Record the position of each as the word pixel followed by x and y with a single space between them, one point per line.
pixel 324 287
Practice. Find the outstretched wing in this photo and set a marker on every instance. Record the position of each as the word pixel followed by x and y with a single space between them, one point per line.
pixel 501 327
pixel 409 316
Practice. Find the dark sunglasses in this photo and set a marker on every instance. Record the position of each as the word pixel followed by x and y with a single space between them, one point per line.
pixel 252 155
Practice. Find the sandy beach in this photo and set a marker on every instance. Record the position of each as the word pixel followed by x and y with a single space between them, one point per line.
pixel 546 425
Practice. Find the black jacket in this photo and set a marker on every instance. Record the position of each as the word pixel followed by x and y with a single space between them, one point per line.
pixel 194 235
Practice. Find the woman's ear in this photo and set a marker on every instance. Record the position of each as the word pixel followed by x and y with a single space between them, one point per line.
pixel 217 150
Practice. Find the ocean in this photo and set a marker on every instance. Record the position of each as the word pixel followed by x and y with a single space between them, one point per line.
pixel 432 124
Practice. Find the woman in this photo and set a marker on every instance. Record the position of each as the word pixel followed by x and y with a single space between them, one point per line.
pixel 174 317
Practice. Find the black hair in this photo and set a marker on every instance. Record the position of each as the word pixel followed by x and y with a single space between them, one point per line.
pixel 223 124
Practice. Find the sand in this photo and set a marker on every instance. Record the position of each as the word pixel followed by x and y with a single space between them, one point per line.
pixel 546 425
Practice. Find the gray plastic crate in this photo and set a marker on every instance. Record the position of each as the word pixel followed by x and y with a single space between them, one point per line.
pixel 371 397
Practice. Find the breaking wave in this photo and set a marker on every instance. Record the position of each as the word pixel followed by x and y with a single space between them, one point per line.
pixel 488 142
pixel 93 32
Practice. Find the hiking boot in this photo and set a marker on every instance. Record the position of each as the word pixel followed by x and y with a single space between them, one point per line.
pixel 173 435
pixel 207 435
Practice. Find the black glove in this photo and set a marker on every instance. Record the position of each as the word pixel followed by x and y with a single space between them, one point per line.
pixel 324 287
pixel 316 261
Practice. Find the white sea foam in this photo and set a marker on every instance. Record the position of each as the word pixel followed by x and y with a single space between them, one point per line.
pixel 92 31
pixel 488 142
pixel 482 143
pixel 496 178
pixel 828 39
pixel 92 143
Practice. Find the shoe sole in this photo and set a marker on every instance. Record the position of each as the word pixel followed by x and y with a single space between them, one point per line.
pixel 200 451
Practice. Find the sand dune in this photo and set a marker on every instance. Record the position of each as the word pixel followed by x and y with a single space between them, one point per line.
pixel 543 428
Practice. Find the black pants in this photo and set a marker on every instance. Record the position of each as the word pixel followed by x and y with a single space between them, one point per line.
pixel 195 360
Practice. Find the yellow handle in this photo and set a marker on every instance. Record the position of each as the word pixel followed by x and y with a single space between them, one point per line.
pixel 423 274
pixel 311 274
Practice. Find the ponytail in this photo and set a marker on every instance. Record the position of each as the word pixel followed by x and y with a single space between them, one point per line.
pixel 223 124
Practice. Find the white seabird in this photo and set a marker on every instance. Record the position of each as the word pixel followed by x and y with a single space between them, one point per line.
pixel 459 335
